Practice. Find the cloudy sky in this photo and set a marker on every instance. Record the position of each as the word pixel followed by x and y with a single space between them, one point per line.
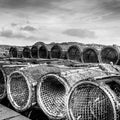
pixel 24 22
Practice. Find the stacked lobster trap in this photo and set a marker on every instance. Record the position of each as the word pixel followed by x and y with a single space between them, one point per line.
pixel 88 91
pixel 95 99
pixel 71 82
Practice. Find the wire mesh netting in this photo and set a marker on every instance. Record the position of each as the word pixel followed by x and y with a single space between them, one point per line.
pixel 89 102
pixel 19 90
pixel 52 94
pixel 74 53
pixel 13 52
pixel 109 55
pixel 56 51
pixel 43 53
pixel 34 52
pixel 26 52
pixel 90 56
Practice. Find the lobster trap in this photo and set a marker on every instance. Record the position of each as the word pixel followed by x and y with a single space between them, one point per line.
pixel 90 100
pixel 90 55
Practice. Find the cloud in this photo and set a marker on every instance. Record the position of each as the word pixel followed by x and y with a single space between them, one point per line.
pixel 11 34
pixel 13 24
pixel 81 33
pixel 111 5
pixel 28 28
pixel 16 4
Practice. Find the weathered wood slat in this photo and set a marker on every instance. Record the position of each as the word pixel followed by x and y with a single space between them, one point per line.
pixel 18 118
pixel 8 114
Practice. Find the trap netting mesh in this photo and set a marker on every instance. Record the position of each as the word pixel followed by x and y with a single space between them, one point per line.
pixel 74 53
pixel 34 52
pixel 89 102
pixel 52 94
pixel 43 53
pixel 19 90
pixel 90 56
pixel 13 52
pixel 56 51
pixel 26 52
pixel 108 55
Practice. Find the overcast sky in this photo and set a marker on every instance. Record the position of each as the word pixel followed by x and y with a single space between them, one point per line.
pixel 24 22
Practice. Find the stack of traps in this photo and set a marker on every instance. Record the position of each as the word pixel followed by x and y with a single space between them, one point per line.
pixel 67 92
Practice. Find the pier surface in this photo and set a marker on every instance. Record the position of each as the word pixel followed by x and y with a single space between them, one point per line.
pixel 8 114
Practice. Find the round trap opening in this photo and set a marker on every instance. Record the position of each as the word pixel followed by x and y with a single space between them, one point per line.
pixel 26 52
pixel 52 97
pixel 34 52
pixel 74 53
pixel 13 52
pixel 56 51
pixel 43 52
pixel 18 91
pixel 90 56
pixel 2 84
pixel 109 54
pixel 89 102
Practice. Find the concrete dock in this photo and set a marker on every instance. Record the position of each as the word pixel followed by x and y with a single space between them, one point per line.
pixel 8 114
